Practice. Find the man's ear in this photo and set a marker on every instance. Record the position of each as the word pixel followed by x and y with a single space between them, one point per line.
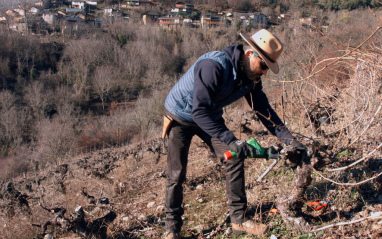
pixel 248 53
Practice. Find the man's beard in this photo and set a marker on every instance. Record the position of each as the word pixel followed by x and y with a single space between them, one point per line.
pixel 249 74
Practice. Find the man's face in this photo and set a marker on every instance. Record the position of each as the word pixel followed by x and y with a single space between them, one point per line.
pixel 254 66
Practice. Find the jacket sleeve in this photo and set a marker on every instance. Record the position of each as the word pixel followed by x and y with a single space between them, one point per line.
pixel 208 75
pixel 258 101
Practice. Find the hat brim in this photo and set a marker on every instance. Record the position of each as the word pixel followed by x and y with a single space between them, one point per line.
pixel 272 65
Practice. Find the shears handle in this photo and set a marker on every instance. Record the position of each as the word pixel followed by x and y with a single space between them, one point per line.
pixel 323 205
pixel 320 203
pixel 313 203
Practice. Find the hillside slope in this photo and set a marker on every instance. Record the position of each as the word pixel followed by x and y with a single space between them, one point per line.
pixel 121 191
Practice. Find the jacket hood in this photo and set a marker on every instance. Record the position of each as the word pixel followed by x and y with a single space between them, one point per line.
pixel 234 54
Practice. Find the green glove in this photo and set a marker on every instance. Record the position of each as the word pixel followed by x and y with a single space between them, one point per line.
pixel 241 148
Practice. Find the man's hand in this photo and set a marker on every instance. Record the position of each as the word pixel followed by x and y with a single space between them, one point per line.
pixel 242 149
pixel 296 153
pixel 299 146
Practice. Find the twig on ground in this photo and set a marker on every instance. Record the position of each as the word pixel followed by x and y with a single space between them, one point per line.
pixel 345 223
pixel 358 161
pixel 347 184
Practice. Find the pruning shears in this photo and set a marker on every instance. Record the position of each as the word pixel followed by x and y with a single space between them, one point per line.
pixel 318 205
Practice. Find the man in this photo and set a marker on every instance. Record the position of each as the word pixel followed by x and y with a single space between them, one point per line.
pixel 195 105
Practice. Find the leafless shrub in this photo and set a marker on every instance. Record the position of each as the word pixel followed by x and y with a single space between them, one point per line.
pixel 15 165
pixel 148 113
pixel 54 141
pixel 116 129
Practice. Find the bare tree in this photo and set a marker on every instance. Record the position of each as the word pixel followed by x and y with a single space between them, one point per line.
pixel 104 81
pixel 12 120
pixel 37 99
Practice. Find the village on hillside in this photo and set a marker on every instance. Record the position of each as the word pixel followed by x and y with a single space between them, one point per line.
pixel 66 17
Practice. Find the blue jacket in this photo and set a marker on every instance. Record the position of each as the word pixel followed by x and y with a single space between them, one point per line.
pixel 214 81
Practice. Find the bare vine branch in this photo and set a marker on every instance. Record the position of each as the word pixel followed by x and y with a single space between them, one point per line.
pixel 345 223
pixel 355 163
pixel 347 184
pixel 334 61
pixel 367 127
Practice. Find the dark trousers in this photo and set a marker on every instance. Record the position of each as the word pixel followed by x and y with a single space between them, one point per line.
pixel 180 136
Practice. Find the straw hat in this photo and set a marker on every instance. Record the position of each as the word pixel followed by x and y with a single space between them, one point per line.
pixel 267 46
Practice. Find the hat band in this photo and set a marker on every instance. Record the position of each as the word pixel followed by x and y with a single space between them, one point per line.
pixel 262 52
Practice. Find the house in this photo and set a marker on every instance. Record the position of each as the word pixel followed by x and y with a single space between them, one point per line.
pixel 72 23
pixel 18 27
pixel 184 5
pixel 150 17
pixel 210 20
pixel 15 12
pixel 39 4
pixel 169 21
pixel 260 20
pixel 179 4
pixel 33 24
pixel 73 10
pixel 51 18
pixel 91 3
pixel 255 19
pixel 3 19
pixel 10 13
pixel 74 19
pixel 86 17
pixel 133 3
pixel 34 10
pixel 183 8
pixel 109 12
pixel 50 3
pixel 145 4
pixel 79 4
pixel 140 4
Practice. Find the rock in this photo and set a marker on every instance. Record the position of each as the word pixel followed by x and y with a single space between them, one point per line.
pixel 376 226
pixel 375 216
pixel 103 200
pixel 199 228
pixel 48 236
pixel 159 209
